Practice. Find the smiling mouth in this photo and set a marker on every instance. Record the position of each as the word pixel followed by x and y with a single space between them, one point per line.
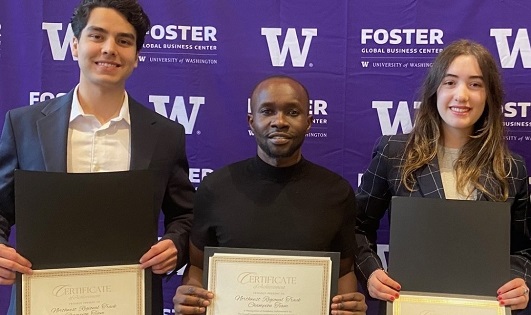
pixel 279 135
pixel 107 64
pixel 460 109
pixel 278 138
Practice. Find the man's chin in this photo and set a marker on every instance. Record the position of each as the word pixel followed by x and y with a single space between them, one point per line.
pixel 276 152
pixel 280 154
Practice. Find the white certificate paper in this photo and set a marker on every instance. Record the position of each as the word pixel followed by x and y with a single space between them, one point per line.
pixel 415 303
pixel 110 290
pixel 246 284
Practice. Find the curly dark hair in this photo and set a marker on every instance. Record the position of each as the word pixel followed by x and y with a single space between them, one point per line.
pixel 130 9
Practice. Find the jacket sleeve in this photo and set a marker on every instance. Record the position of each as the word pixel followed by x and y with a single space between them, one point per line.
pixel 177 203
pixel 8 164
pixel 373 199
pixel 520 222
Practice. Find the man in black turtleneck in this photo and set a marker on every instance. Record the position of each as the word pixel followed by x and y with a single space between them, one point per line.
pixel 276 200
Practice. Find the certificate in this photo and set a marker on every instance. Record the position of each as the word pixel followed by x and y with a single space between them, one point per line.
pixel 256 282
pixel 449 246
pixel 69 223
pixel 413 303
pixel 113 290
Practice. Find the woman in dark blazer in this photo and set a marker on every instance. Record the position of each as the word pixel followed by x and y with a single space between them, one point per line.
pixel 456 150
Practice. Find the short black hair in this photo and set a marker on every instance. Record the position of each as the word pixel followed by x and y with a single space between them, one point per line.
pixel 130 9
pixel 282 77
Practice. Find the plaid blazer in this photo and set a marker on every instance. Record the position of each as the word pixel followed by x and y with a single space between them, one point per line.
pixel 381 181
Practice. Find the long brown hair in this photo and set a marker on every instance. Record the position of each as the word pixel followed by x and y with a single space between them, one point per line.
pixel 486 151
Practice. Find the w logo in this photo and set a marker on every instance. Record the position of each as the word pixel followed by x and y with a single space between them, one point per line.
pixel 178 111
pixel 291 45
pixel 402 117
pixel 59 47
pixel 521 47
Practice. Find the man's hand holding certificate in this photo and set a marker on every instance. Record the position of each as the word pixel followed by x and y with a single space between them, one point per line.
pixel 93 266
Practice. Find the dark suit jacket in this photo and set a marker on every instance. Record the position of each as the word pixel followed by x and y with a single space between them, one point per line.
pixel 381 181
pixel 35 138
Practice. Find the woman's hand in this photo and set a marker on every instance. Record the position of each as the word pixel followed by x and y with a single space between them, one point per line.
pixel 381 286
pixel 514 293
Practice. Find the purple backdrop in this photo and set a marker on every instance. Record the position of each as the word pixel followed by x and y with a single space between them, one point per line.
pixel 362 62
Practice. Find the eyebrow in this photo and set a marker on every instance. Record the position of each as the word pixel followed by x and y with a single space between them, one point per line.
pixel 471 77
pixel 272 103
pixel 102 30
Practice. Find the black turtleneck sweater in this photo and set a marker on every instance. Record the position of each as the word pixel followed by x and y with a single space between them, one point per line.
pixel 251 204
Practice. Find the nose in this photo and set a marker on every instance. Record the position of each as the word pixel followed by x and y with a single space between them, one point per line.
pixel 461 93
pixel 108 47
pixel 279 120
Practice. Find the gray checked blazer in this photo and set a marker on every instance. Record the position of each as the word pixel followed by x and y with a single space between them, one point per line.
pixel 381 181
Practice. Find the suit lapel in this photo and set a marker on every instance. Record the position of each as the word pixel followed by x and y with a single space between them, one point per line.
pixel 491 186
pixel 53 131
pixel 143 135
pixel 430 181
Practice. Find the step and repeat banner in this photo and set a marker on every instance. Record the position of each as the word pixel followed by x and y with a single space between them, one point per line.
pixel 362 62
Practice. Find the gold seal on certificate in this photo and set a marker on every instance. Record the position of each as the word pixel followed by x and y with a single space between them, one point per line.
pixel 412 303
pixel 255 282
pixel 112 290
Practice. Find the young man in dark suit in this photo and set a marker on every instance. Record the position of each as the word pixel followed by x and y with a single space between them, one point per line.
pixel 98 127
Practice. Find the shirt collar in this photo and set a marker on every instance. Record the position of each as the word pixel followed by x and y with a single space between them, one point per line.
pixel 77 110
pixel 279 174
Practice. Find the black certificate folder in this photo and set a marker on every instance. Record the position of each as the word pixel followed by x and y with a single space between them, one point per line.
pixel 67 220
pixel 449 246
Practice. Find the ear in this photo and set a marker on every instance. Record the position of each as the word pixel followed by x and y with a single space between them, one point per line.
pixel 250 121
pixel 309 121
pixel 136 59
pixel 74 45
